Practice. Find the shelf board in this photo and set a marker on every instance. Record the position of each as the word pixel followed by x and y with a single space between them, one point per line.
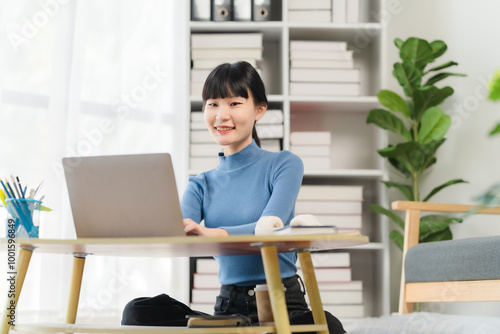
pixel 335 26
pixel 334 103
pixel 346 173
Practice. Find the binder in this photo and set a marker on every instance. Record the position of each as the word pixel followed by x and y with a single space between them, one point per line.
pixel 200 10
pixel 242 10
pixel 261 10
pixel 222 10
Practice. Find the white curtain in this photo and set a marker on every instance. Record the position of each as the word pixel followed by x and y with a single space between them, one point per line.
pixel 80 78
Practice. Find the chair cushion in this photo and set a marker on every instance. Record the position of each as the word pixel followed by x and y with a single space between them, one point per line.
pixel 454 260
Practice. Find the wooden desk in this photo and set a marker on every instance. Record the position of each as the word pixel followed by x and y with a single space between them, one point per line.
pixel 269 246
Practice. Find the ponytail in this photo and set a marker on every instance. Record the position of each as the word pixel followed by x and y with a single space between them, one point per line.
pixel 255 136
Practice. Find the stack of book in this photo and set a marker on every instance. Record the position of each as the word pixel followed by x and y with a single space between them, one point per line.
pixel 203 150
pixel 339 294
pixel 323 68
pixel 206 286
pixel 270 130
pixel 212 49
pixel 332 205
pixel 322 11
pixel 313 147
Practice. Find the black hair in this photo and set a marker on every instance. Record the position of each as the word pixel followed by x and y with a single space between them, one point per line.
pixel 228 80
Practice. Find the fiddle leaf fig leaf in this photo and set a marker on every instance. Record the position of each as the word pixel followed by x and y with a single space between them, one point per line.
pixel 417 53
pixel 433 224
pixel 442 67
pixel 404 188
pixel 445 234
pixel 394 102
pixel 441 76
pixel 386 120
pixel 434 125
pixel 438 48
pixel 444 185
pixel 496 130
pixel 430 96
pixel 398 238
pixel 398 42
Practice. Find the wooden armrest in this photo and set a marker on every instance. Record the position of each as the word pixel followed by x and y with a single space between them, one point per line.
pixel 441 207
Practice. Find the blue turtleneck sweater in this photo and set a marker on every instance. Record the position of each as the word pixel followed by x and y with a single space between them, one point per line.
pixel 244 187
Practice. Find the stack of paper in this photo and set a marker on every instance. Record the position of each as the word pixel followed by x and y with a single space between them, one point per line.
pixel 322 11
pixel 203 149
pixel 206 286
pixel 212 49
pixel 313 147
pixel 270 130
pixel 323 68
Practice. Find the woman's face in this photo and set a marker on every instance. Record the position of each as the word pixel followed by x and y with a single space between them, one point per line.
pixel 231 120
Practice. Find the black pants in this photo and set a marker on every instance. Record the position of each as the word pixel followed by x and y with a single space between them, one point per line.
pixel 235 299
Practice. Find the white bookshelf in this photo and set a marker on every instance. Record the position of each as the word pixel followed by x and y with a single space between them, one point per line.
pixel 354 143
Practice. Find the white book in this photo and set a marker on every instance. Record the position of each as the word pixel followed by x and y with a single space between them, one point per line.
pixel 318 45
pixel 207 266
pixel 321 55
pixel 353 11
pixel 328 207
pixel 325 88
pixel 235 40
pixel 352 285
pixel 311 150
pixel 330 274
pixel 310 138
pixel 199 74
pixel 325 74
pixel 310 4
pixel 271 145
pixel 212 63
pixel 205 295
pixel 203 307
pixel 197 116
pixel 339 297
pixel 316 16
pixel 267 131
pixel 330 192
pixel 339 11
pixel 204 150
pixel 198 126
pixel 329 259
pixel 306 63
pixel 252 53
pixel 346 311
pixel 203 163
pixel 201 136
pixel 205 281
pixel 272 116
pixel 343 222
pixel 316 162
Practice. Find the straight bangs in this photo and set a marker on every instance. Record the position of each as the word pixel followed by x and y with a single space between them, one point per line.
pixel 225 81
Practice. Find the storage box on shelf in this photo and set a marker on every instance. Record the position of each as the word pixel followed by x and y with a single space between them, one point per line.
pixel 348 156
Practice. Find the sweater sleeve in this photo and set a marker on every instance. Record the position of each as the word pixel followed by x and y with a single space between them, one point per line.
pixel 192 199
pixel 285 179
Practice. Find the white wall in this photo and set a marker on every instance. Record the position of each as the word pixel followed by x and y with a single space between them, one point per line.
pixel 471 31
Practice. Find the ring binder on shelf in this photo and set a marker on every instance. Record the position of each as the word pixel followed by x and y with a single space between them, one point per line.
pixel 261 10
pixel 200 10
pixel 222 10
pixel 242 10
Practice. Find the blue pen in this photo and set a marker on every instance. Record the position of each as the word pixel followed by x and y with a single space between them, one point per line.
pixel 5 188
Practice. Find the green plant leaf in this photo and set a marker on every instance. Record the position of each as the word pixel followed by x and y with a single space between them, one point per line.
pixel 433 125
pixel 398 238
pixel 442 67
pixel 444 185
pixel 394 102
pixel 417 53
pixel 398 42
pixel 495 86
pixel 427 97
pixel 383 211
pixel 404 188
pixel 438 48
pixel 439 236
pixel 388 121
pixel 409 77
pixel 496 130
pixel 433 224
pixel 440 76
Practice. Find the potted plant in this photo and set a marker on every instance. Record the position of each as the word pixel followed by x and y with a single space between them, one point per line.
pixel 421 125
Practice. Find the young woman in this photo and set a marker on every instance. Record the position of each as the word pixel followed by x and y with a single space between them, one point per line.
pixel 249 183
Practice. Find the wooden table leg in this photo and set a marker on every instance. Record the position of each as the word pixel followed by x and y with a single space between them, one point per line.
pixel 76 284
pixel 312 288
pixel 23 262
pixel 276 294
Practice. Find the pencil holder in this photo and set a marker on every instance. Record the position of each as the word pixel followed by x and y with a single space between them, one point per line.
pixel 24 218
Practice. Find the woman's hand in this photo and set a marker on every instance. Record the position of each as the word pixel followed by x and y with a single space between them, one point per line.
pixel 193 228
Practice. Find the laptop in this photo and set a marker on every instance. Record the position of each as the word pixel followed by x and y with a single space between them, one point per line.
pixel 123 196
